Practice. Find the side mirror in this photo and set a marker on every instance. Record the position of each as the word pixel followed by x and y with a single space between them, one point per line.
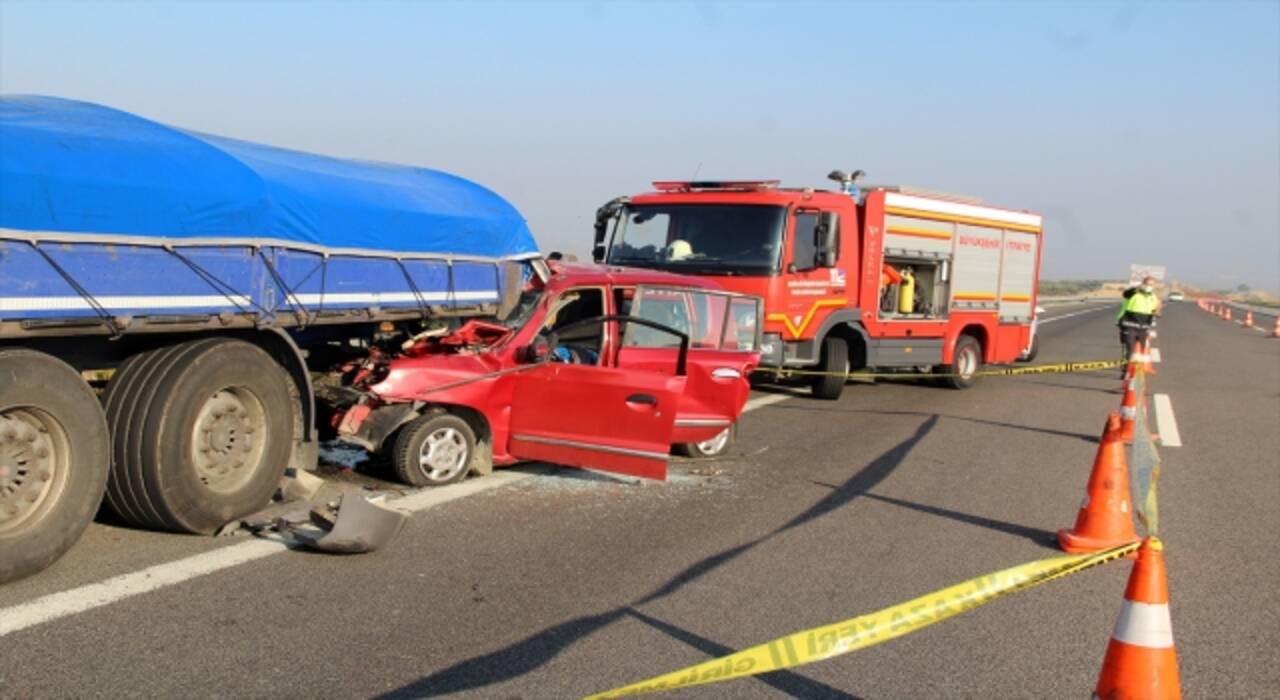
pixel 609 212
pixel 538 350
pixel 827 239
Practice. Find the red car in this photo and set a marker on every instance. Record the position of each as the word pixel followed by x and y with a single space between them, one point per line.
pixel 599 367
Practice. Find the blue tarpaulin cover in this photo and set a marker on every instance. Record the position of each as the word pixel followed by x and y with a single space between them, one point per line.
pixel 76 167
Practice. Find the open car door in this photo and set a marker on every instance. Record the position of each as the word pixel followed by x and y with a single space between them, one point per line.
pixel 599 417
pixel 724 348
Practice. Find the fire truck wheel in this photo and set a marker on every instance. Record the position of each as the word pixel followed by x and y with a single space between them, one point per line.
pixel 714 447
pixel 835 368
pixel 1030 354
pixel 433 450
pixel 965 365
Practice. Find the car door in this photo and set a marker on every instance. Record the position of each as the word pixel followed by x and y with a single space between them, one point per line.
pixel 723 350
pixel 598 417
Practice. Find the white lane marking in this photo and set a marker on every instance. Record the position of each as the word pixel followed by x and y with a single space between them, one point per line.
pixel 1166 424
pixel 761 401
pixel 94 595
pixel 77 600
pixel 1155 354
pixel 1077 313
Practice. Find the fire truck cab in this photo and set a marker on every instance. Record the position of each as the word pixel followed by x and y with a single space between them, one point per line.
pixel 877 277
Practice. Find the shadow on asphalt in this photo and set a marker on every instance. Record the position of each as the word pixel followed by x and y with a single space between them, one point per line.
pixel 1049 431
pixel 1044 538
pixel 536 650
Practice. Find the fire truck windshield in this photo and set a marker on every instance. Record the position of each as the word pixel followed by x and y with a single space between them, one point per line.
pixel 715 239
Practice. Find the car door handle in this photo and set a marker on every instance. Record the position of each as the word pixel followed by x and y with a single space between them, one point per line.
pixel 648 399
pixel 726 373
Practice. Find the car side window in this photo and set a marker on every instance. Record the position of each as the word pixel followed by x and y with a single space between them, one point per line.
pixel 580 344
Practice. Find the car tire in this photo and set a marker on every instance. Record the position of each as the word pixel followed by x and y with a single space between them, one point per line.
pixel 202 434
pixel 717 446
pixel 835 368
pixel 434 450
pixel 965 365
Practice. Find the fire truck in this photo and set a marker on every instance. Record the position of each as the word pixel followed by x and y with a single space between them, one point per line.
pixel 876 277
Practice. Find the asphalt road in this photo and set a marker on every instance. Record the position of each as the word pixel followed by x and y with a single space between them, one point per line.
pixel 564 582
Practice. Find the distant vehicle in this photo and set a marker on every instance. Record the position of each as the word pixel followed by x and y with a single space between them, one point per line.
pixel 1176 296
pixel 600 367
pixel 882 277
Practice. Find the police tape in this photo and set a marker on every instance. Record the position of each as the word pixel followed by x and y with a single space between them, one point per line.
pixel 1061 368
pixel 828 641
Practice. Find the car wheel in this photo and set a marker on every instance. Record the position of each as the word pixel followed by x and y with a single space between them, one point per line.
pixel 714 447
pixel 434 450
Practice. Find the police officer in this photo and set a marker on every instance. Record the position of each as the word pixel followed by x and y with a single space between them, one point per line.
pixel 1137 314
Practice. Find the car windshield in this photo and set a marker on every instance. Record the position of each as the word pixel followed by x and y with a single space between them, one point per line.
pixel 696 238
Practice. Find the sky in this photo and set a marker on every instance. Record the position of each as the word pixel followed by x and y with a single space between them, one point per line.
pixel 1145 132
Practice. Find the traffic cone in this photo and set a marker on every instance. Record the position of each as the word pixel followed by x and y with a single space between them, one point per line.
pixel 1129 407
pixel 1275 332
pixel 1146 357
pixel 1141 661
pixel 1105 519
pixel 1227 314
pixel 1248 319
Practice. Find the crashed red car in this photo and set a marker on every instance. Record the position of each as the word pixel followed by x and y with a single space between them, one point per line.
pixel 598 367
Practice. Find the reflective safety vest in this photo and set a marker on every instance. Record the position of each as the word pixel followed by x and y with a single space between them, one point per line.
pixel 1139 302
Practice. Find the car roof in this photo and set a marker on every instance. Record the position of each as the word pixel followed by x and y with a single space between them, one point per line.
pixel 574 274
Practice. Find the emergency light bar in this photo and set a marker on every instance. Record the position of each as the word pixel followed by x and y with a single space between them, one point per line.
pixel 735 185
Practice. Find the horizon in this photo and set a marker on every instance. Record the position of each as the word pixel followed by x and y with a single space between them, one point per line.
pixel 1143 133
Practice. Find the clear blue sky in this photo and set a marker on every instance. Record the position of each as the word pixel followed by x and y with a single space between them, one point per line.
pixel 1145 132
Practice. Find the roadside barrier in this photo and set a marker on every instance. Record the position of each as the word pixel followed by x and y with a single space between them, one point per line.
pixel 1141 661
pixel 1105 519
pixel 1061 368
pixel 829 641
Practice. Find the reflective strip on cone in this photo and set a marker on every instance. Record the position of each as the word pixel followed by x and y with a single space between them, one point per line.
pixel 1144 625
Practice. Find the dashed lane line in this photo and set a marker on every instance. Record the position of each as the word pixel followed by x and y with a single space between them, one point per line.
pixel 95 595
pixel 1166 424
pixel 1077 313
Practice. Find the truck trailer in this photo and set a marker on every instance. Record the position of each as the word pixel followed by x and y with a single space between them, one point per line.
pixel 161 290
pixel 879 277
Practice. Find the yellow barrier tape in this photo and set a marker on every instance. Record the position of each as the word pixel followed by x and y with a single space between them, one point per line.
pixel 1061 368
pixel 828 641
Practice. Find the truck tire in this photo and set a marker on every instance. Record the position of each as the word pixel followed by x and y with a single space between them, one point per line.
pixel 201 434
pixel 54 455
pixel 1030 354
pixel 433 450
pixel 715 447
pixel 965 365
pixel 835 366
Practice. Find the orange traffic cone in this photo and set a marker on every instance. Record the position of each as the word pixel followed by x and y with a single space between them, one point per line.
pixel 1275 332
pixel 1227 314
pixel 1141 661
pixel 1105 519
pixel 1146 357
pixel 1248 319
pixel 1129 407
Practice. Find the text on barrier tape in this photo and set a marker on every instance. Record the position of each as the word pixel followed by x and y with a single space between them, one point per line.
pixel 828 641
pixel 1062 368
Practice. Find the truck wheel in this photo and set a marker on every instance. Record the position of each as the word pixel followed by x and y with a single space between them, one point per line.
pixel 1030 354
pixel 54 454
pixel 434 450
pixel 715 447
pixel 201 434
pixel 835 363
pixel 965 364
